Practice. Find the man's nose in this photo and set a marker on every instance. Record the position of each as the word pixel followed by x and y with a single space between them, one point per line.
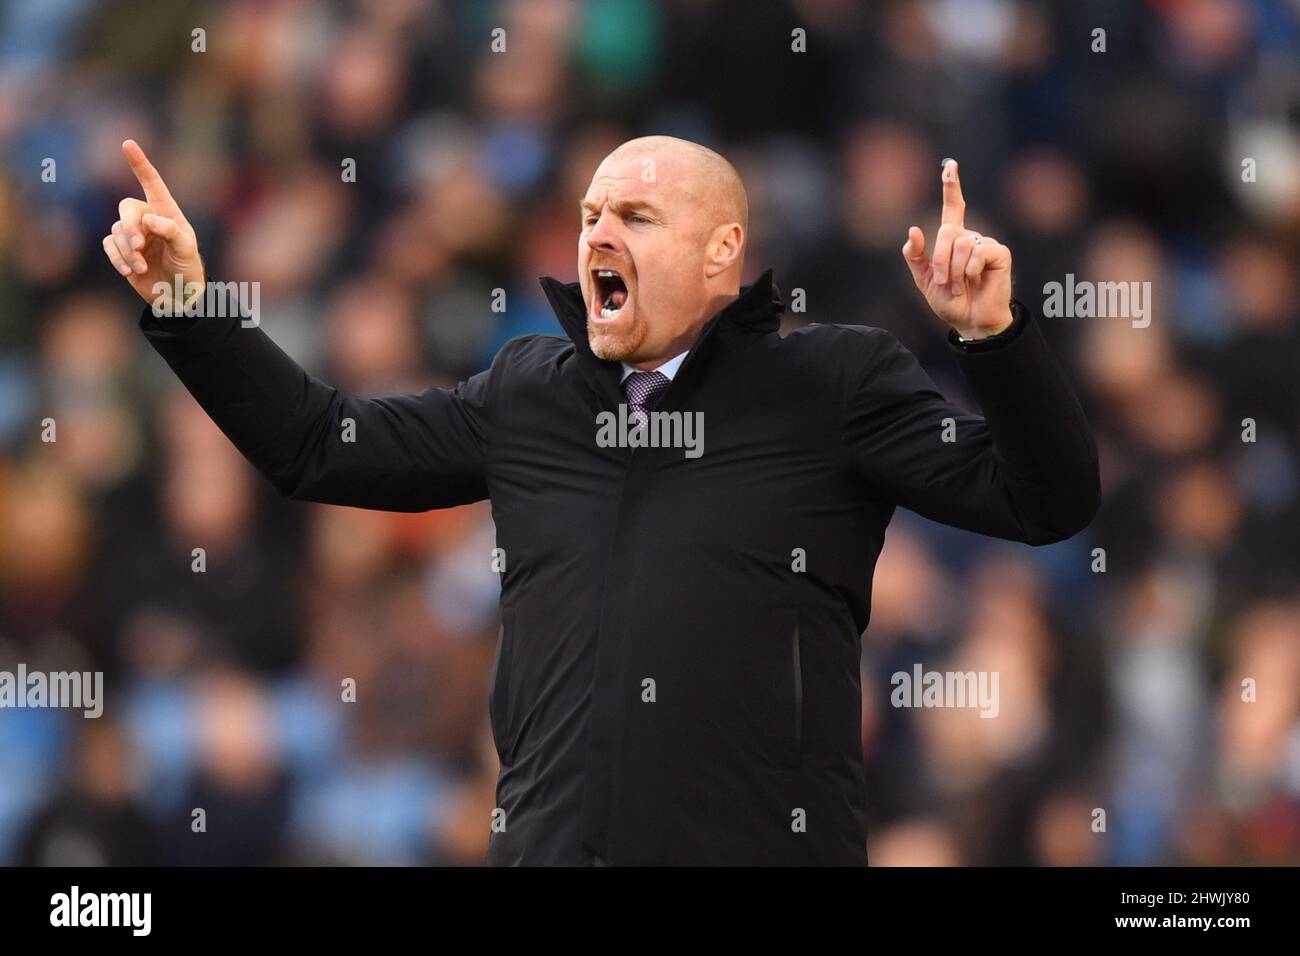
pixel 603 236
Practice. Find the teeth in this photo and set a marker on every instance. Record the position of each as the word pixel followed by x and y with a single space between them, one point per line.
pixel 607 274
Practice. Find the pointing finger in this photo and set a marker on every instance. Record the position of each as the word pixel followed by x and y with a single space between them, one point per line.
pixel 155 190
pixel 954 204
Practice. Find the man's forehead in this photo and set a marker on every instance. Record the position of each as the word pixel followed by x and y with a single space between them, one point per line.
pixel 641 175
pixel 625 188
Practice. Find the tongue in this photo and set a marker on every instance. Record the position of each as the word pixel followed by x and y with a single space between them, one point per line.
pixel 616 299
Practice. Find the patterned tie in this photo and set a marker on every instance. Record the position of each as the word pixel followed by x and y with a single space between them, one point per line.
pixel 643 390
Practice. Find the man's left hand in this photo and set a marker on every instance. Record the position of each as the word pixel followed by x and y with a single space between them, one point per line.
pixel 967 282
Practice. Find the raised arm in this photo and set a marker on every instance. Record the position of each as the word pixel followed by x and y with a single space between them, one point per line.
pixel 313 442
pixel 1027 470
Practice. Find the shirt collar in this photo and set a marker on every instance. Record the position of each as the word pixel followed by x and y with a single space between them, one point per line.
pixel 669 368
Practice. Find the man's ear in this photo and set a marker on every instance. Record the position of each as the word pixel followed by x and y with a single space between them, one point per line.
pixel 724 249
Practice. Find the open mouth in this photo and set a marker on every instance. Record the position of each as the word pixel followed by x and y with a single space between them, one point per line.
pixel 609 293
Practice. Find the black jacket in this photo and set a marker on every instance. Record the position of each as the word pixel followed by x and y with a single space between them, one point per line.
pixel 672 684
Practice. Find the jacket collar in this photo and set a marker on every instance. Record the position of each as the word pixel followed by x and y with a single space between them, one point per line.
pixel 757 309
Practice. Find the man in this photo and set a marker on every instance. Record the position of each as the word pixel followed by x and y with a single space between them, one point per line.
pixel 677 674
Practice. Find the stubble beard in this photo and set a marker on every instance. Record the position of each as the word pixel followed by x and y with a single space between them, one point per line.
pixel 616 344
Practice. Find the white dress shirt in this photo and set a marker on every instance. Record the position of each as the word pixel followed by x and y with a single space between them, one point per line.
pixel 669 368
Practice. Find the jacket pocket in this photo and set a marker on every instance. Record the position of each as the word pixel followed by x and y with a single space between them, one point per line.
pixel 499 710
pixel 797 677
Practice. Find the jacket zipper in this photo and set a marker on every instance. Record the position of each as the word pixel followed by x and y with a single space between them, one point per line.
pixel 798 692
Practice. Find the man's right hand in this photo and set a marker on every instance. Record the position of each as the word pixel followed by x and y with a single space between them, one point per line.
pixel 153 242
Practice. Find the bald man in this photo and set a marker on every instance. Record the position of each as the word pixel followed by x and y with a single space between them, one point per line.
pixel 688 505
pixel 668 200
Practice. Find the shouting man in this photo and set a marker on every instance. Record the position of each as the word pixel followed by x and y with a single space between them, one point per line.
pixel 677 673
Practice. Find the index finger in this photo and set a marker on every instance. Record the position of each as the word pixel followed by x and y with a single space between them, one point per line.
pixel 954 204
pixel 155 190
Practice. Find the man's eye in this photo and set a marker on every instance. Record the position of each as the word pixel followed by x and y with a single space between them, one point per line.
pixel 589 221
pixel 636 218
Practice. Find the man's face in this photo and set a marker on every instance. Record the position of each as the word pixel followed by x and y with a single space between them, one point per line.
pixel 641 259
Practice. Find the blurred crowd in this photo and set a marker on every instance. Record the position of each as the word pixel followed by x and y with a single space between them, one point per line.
pixel 1149 668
